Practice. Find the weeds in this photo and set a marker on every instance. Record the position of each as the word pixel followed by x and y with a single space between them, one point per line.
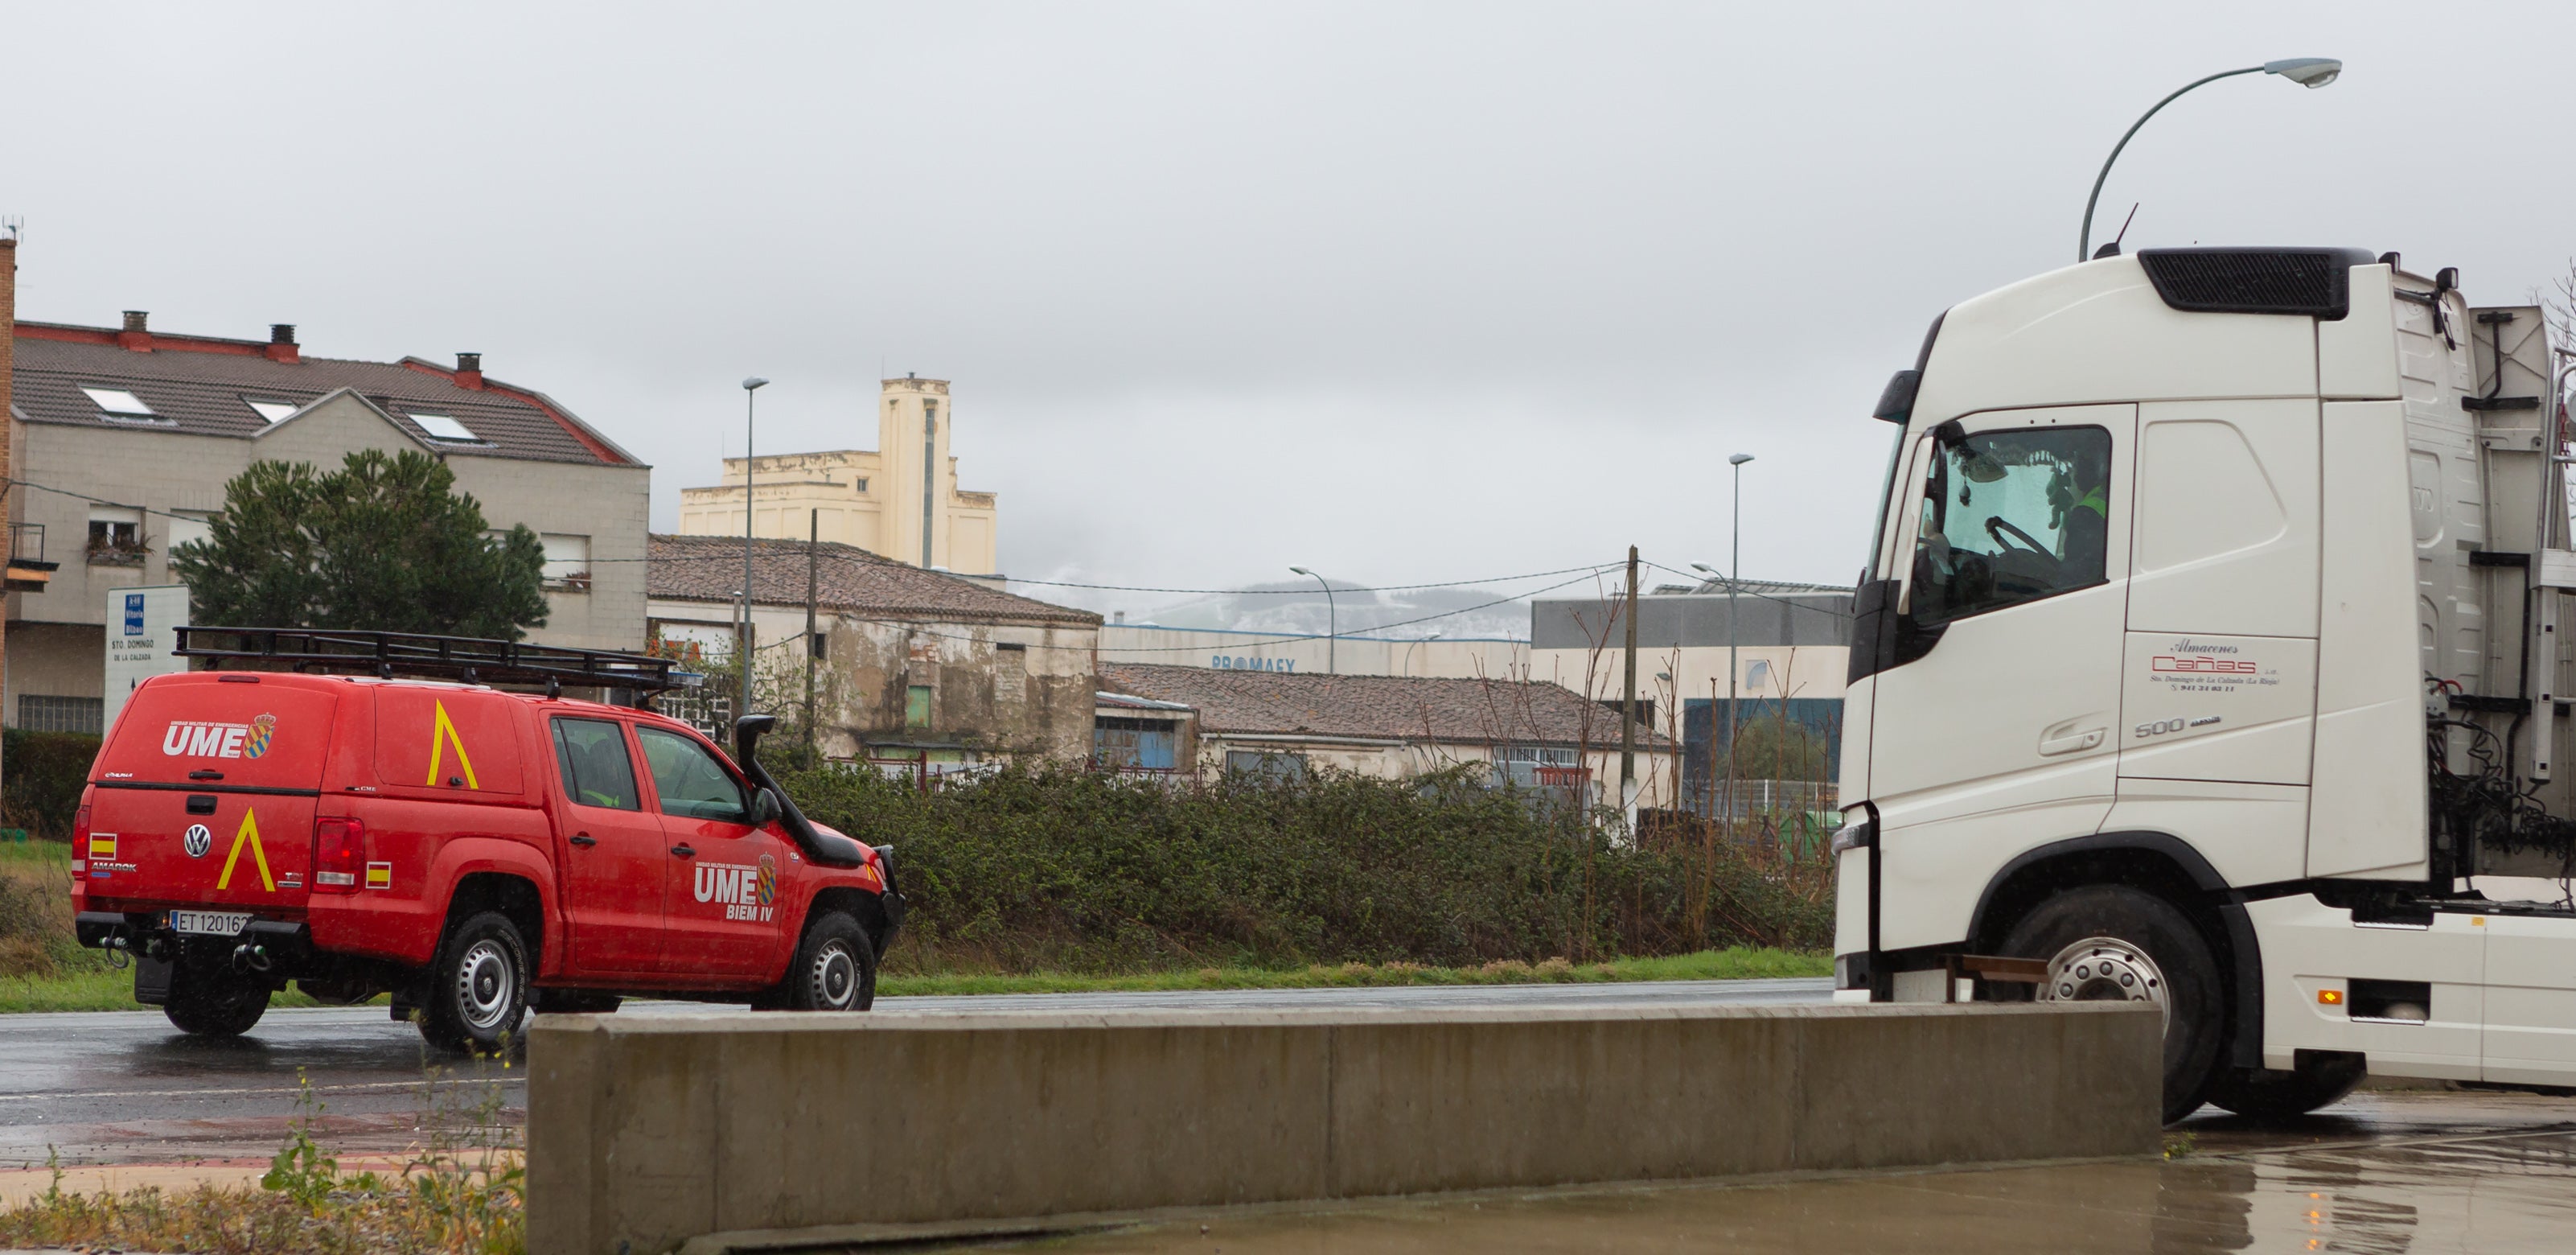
pixel 301 1171
pixel 461 1192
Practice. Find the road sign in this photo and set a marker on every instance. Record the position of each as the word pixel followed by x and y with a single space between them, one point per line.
pixel 139 640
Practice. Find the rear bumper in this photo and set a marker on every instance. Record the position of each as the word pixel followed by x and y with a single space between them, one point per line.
pixel 285 946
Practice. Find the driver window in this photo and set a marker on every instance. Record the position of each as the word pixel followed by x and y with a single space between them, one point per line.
pixel 2010 517
pixel 689 779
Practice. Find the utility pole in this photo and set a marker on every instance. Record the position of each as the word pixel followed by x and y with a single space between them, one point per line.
pixel 813 565
pixel 1628 704
pixel 742 644
pixel 8 424
pixel 1734 580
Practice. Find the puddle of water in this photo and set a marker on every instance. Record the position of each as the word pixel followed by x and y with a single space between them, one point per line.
pixel 2491 1192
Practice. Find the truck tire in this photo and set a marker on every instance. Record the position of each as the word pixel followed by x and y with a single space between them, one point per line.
pixel 2271 1094
pixel 835 968
pixel 2105 942
pixel 214 1001
pixel 478 987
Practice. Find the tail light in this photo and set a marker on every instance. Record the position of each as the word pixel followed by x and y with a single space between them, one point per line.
pixel 339 854
pixel 80 841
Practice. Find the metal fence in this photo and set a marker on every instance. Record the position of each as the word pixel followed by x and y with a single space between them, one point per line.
pixel 1764 799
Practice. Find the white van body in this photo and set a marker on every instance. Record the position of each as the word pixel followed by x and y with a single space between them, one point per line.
pixel 2226 580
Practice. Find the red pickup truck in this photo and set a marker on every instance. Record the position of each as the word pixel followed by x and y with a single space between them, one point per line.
pixel 467 849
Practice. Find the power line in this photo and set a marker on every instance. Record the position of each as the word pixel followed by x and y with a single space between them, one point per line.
pixel 787 551
pixel 1191 649
pixel 82 496
pixel 1808 606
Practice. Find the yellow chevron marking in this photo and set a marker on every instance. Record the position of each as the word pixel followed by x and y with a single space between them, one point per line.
pixel 249 833
pixel 441 735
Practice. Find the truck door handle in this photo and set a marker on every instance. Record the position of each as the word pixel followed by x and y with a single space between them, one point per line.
pixel 584 838
pixel 2070 742
pixel 684 851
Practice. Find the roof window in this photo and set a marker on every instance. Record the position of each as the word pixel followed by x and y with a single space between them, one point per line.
pixel 119 401
pixel 441 427
pixel 272 411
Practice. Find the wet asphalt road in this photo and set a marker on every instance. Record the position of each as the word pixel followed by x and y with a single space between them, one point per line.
pixel 125 1087
pixel 2429 1173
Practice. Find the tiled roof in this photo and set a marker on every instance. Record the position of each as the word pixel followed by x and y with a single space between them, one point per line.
pixel 847 578
pixel 208 393
pixel 1385 706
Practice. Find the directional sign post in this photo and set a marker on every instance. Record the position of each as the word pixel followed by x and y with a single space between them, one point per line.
pixel 139 641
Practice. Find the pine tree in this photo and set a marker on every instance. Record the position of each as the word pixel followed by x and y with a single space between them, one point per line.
pixel 384 543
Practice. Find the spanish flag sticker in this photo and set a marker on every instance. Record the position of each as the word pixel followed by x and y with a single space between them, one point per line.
pixel 102 845
pixel 380 875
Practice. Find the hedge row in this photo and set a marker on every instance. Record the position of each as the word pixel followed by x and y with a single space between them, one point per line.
pixel 41 774
pixel 1053 869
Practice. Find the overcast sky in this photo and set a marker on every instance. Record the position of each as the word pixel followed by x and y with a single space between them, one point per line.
pixel 1401 293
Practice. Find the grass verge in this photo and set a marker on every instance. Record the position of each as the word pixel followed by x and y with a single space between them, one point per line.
pixel 1739 963
pixel 109 990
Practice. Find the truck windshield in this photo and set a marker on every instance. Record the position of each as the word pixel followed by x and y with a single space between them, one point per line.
pixel 2010 517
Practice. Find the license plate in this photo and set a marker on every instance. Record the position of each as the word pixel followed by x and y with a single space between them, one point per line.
pixel 210 923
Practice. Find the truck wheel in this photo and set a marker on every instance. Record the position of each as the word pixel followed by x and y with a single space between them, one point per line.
pixel 215 1001
pixel 2270 1094
pixel 478 987
pixel 2109 942
pixel 835 967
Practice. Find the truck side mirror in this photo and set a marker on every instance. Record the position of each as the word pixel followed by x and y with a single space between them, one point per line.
pixel 764 809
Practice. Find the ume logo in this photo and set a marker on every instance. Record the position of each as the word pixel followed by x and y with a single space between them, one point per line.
pixel 188 739
pixel 745 891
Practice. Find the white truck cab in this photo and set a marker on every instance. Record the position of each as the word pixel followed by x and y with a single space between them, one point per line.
pixel 2207 656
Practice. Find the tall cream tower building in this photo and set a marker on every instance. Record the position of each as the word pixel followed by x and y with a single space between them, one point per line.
pixel 901 501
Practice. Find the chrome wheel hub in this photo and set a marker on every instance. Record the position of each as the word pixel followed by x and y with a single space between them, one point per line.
pixel 2105 969
pixel 836 977
pixel 485 983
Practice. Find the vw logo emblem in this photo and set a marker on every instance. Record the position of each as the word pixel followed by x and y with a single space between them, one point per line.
pixel 197 841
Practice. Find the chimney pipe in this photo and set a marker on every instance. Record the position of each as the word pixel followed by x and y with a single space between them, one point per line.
pixel 137 334
pixel 281 343
pixel 469 371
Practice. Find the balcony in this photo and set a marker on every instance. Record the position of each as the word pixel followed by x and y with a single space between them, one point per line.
pixel 28 571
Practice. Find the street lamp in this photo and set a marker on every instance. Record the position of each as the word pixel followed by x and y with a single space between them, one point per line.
pixel 1735 564
pixel 1332 619
pixel 2310 72
pixel 1436 634
pixel 742 650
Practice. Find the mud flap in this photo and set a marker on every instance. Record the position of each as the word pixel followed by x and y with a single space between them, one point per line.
pixel 152 981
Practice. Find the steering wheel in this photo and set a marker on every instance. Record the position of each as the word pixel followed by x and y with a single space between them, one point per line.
pixel 2006 535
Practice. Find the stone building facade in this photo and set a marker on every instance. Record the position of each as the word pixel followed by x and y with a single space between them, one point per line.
pixel 123 440
pixel 1206 722
pixel 900 500
pixel 915 669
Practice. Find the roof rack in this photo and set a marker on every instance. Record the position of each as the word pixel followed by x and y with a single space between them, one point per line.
pixel 413 654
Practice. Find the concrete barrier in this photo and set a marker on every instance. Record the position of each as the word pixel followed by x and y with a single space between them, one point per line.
pixel 644 1132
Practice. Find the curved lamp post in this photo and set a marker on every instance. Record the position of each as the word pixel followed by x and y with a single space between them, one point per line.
pixel 2304 71
pixel 1332 620
pixel 1436 634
